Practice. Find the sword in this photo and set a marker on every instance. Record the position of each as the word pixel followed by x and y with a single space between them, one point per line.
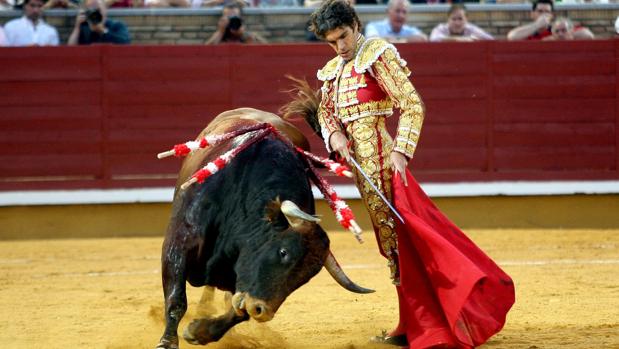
pixel 395 212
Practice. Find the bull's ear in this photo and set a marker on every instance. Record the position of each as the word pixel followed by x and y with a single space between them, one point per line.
pixel 274 215
pixel 273 211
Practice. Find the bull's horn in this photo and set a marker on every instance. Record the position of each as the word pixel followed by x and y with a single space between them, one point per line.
pixel 338 274
pixel 295 216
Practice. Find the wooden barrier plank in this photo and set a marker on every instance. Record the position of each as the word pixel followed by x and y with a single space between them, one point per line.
pixel 158 68
pixel 446 111
pixel 51 63
pixel 35 114
pixel 577 158
pixel 167 92
pixel 554 110
pixel 538 87
pixel 49 165
pixel 553 135
pixel 452 87
pixel 50 93
pixel 454 159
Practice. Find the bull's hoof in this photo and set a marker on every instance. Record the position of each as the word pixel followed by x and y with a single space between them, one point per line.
pixel 167 344
pixel 200 331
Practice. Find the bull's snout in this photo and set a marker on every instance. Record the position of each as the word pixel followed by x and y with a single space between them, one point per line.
pixel 258 309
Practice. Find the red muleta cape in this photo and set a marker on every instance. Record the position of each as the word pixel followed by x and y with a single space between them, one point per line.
pixel 451 291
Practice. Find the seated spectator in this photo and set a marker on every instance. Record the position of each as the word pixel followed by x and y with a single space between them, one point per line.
pixel 541 14
pixel 169 3
pixel 93 27
pixel 458 28
pixel 224 3
pixel 230 28
pixel 7 4
pixel 123 3
pixel 563 29
pixel 394 27
pixel 2 37
pixel 60 4
pixel 31 30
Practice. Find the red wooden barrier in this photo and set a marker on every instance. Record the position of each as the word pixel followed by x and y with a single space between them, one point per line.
pixel 94 117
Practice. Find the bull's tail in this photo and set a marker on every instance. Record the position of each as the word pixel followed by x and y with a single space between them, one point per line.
pixel 305 103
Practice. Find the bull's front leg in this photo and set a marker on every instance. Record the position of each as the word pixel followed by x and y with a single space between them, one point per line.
pixel 207 330
pixel 173 276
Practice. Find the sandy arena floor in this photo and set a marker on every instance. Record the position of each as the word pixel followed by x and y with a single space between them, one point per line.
pixel 106 293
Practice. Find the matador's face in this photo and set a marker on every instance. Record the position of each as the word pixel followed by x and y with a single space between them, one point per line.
pixel 343 40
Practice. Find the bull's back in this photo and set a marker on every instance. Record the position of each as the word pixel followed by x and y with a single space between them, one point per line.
pixel 229 121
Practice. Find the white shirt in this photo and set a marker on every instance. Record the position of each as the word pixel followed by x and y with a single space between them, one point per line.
pixel 382 29
pixel 22 32
pixel 2 38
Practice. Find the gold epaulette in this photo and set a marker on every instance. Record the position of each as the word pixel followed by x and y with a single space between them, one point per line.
pixel 329 71
pixel 369 52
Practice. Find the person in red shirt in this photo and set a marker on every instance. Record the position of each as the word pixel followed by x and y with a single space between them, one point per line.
pixel 542 13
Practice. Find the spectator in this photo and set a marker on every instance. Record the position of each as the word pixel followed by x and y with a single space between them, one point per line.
pixel 562 29
pixel 394 27
pixel 123 3
pixel 541 14
pixel 170 3
pixel 6 4
pixel 61 4
pixel 458 28
pixel 230 28
pixel 92 27
pixel 30 29
pixel 224 3
pixel 2 37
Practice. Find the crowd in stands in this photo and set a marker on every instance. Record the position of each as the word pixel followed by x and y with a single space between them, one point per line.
pixel 93 26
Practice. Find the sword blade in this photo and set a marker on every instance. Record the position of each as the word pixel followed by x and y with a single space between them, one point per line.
pixel 367 179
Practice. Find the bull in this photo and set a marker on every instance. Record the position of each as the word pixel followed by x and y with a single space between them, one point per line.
pixel 249 229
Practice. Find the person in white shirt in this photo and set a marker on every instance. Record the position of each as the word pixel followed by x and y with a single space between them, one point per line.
pixel 458 27
pixel 394 28
pixel 2 37
pixel 31 29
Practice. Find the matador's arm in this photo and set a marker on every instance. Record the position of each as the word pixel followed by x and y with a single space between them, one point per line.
pixel 393 79
pixel 326 116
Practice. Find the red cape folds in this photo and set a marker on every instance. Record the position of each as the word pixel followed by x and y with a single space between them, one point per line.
pixel 451 291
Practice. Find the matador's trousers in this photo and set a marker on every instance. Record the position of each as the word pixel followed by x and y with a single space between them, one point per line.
pixel 371 145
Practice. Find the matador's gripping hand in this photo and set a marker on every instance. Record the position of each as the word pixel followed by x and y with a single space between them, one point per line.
pixel 341 145
pixel 398 164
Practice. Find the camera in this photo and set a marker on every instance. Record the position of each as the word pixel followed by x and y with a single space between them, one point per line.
pixel 93 16
pixel 234 23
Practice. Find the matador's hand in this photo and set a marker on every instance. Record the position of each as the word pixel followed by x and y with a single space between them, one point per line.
pixel 398 164
pixel 339 143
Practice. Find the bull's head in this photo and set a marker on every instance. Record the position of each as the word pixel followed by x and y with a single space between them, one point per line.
pixel 295 251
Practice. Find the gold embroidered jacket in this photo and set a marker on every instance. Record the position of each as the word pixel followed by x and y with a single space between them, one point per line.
pixel 370 85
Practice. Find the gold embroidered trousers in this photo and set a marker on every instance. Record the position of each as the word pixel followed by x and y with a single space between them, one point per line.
pixel 372 144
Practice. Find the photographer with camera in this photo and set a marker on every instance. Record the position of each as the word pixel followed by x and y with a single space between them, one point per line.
pixel 230 28
pixel 92 26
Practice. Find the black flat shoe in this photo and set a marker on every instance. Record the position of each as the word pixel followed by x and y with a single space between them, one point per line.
pixel 399 340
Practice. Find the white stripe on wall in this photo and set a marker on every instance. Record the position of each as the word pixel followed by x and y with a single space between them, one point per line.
pixel 348 191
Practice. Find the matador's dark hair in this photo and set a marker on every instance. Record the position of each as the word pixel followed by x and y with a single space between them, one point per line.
pixel 333 14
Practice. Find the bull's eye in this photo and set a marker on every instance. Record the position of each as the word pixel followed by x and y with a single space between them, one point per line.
pixel 283 254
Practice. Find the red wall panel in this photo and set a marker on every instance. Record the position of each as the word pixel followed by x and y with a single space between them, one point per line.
pixel 95 117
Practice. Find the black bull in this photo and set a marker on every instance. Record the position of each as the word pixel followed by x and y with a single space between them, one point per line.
pixel 248 229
